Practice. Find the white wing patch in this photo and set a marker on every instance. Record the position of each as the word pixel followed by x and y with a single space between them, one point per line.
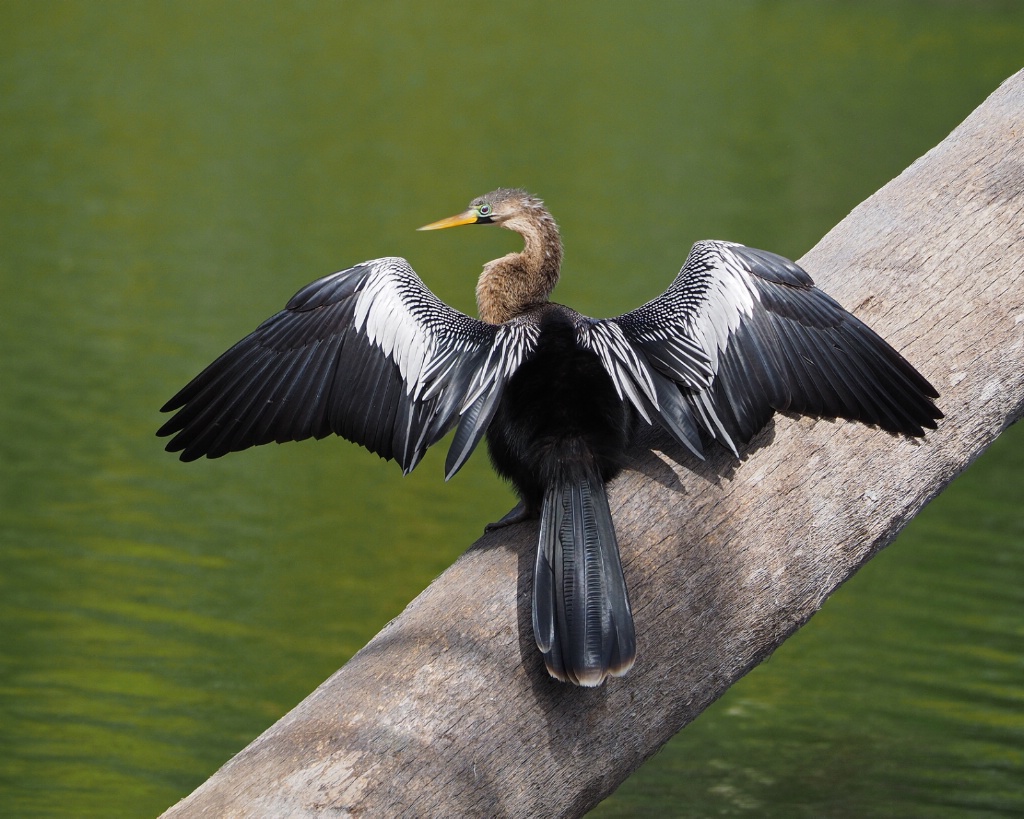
pixel 395 314
pixel 728 299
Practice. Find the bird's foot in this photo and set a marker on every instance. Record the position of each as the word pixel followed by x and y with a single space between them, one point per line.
pixel 518 514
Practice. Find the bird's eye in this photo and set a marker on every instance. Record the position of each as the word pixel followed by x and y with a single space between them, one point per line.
pixel 483 210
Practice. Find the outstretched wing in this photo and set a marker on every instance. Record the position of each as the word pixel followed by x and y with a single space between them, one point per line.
pixel 771 341
pixel 367 353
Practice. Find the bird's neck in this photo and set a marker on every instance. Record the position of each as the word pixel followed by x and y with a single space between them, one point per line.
pixel 515 283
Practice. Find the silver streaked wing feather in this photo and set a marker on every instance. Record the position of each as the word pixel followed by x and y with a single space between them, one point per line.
pixel 628 371
pixel 513 342
pixel 636 379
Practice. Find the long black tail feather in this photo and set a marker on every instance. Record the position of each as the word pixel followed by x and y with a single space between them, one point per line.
pixel 582 620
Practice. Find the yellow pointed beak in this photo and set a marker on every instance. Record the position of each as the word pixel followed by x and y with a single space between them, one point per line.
pixel 466 218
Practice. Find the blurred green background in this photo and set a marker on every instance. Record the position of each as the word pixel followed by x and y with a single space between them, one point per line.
pixel 170 173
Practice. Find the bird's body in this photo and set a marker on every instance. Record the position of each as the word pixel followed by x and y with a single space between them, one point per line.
pixel 371 354
pixel 559 435
pixel 558 410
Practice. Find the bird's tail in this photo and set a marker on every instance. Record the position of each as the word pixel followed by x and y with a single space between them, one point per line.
pixel 581 615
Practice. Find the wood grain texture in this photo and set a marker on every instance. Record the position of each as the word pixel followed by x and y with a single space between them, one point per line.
pixel 449 712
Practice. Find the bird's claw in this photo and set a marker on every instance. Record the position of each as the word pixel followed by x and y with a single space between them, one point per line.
pixel 518 514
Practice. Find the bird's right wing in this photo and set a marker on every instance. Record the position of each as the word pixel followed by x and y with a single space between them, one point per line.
pixel 367 353
pixel 745 332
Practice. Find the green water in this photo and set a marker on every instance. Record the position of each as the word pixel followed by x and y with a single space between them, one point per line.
pixel 170 173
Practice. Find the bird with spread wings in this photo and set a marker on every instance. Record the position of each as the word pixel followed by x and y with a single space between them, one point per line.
pixel 372 355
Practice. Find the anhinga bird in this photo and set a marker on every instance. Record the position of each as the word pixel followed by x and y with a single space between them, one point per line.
pixel 372 355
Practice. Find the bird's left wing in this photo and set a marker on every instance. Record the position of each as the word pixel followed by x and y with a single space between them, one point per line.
pixel 367 353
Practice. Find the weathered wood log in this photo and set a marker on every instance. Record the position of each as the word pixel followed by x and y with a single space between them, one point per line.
pixel 449 712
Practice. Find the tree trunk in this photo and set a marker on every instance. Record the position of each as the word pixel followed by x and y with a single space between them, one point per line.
pixel 449 711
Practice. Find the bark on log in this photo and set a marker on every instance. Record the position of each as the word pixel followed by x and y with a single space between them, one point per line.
pixel 449 712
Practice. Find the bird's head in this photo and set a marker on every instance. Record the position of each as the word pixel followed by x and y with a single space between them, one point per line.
pixel 516 281
pixel 510 208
